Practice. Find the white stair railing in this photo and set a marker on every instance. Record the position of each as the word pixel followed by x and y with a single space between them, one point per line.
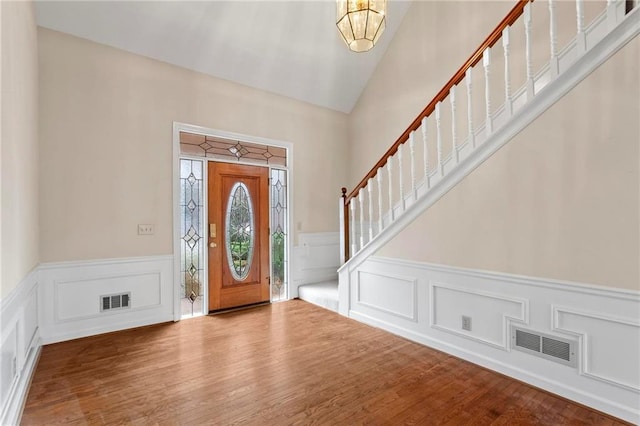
pixel 356 216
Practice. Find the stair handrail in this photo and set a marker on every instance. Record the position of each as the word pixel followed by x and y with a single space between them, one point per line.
pixel 491 40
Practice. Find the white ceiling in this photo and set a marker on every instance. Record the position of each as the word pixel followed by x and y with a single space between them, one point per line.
pixel 287 47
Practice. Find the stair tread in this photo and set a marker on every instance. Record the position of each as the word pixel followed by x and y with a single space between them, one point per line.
pixel 324 294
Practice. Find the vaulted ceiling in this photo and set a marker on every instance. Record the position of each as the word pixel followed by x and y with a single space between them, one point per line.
pixel 290 48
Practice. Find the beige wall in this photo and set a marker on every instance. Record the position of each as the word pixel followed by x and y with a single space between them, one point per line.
pixel 559 201
pixel 19 155
pixel 106 146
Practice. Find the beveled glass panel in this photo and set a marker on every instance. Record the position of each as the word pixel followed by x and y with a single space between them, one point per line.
pixel 380 31
pixel 361 45
pixel 227 149
pixel 191 240
pixel 358 23
pixel 373 23
pixel 344 26
pixel 378 6
pixel 355 5
pixel 279 232
pixel 341 9
pixel 240 231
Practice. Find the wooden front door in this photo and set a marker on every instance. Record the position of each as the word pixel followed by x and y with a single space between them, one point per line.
pixel 238 235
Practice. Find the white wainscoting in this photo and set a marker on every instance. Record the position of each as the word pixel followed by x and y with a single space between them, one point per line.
pixel 370 292
pixel 594 331
pixel 70 295
pixel 425 303
pixel 316 258
pixel 448 303
pixel 20 346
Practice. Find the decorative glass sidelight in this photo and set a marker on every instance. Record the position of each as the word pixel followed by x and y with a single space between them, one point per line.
pixel 279 231
pixel 191 242
pixel 240 231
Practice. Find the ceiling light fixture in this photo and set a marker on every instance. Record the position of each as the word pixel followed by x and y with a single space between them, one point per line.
pixel 361 22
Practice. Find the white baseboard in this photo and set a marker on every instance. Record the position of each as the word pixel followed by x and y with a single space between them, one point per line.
pixel 70 295
pixel 19 347
pixel 425 303
pixel 316 258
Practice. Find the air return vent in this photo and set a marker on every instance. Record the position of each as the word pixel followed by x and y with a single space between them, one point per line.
pixel 115 301
pixel 545 346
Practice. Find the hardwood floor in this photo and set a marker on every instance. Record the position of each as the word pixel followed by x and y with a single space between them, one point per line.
pixel 286 363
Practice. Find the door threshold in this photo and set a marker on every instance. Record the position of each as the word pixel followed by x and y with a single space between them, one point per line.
pixel 239 308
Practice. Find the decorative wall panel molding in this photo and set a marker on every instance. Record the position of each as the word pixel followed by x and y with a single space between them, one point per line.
pixel 146 286
pixel 71 295
pixel 393 294
pixel 605 321
pixel 449 303
pixel 20 345
pixel 598 343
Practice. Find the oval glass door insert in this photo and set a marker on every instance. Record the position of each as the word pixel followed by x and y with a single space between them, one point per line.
pixel 240 231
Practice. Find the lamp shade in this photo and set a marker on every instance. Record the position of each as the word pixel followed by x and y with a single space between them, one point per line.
pixel 361 22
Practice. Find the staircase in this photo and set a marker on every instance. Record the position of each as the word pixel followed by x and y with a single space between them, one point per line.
pixel 429 159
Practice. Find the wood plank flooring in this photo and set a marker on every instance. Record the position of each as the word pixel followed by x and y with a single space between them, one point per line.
pixel 286 363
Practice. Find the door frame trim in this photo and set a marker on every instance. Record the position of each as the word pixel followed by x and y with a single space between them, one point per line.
pixel 184 127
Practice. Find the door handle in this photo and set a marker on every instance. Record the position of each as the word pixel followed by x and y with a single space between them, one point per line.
pixel 212 230
pixel 213 245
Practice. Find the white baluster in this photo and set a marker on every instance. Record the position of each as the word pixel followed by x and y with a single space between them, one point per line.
pixel 508 103
pixel 380 220
pixel 612 16
pixel 400 175
pixel 454 139
pixel 343 217
pixel 486 62
pixel 553 38
pixel 354 243
pixel 361 199
pixel 369 188
pixel 390 172
pixel 439 140
pixel 581 37
pixel 527 35
pixel 425 153
pixel 472 138
pixel 413 165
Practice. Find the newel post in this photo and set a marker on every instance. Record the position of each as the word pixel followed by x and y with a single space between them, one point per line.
pixel 344 227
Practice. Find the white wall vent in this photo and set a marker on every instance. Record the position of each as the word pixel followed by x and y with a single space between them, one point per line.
pixel 549 347
pixel 115 301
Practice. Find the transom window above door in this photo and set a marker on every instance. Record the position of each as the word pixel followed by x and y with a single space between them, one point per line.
pixel 227 149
